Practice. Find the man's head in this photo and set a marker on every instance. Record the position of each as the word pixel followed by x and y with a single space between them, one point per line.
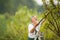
pixel 34 19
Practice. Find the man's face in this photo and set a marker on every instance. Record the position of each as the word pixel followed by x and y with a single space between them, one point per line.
pixel 34 19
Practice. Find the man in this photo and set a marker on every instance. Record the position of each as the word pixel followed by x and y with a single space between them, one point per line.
pixel 33 27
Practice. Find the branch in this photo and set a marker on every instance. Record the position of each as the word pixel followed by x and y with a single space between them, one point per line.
pixel 55 21
pixel 54 32
pixel 52 24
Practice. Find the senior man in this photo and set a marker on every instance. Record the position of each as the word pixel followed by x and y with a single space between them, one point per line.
pixel 34 28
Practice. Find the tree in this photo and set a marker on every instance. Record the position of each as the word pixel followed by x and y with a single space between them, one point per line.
pixel 53 17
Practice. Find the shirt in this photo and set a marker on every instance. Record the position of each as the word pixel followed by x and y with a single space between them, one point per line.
pixel 32 35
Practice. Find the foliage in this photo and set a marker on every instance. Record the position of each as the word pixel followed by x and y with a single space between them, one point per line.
pixel 52 27
pixel 10 6
pixel 16 27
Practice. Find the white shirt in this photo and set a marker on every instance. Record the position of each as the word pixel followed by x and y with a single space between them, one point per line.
pixel 32 35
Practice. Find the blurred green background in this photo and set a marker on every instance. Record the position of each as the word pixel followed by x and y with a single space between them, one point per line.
pixel 15 17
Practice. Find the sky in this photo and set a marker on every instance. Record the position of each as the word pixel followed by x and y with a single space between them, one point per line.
pixel 39 2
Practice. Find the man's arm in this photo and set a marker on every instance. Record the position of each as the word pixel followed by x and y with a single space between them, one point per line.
pixel 32 30
pixel 42 21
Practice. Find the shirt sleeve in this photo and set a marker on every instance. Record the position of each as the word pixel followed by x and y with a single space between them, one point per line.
pixel 38 27
pixel 41 21
pixel 29 27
